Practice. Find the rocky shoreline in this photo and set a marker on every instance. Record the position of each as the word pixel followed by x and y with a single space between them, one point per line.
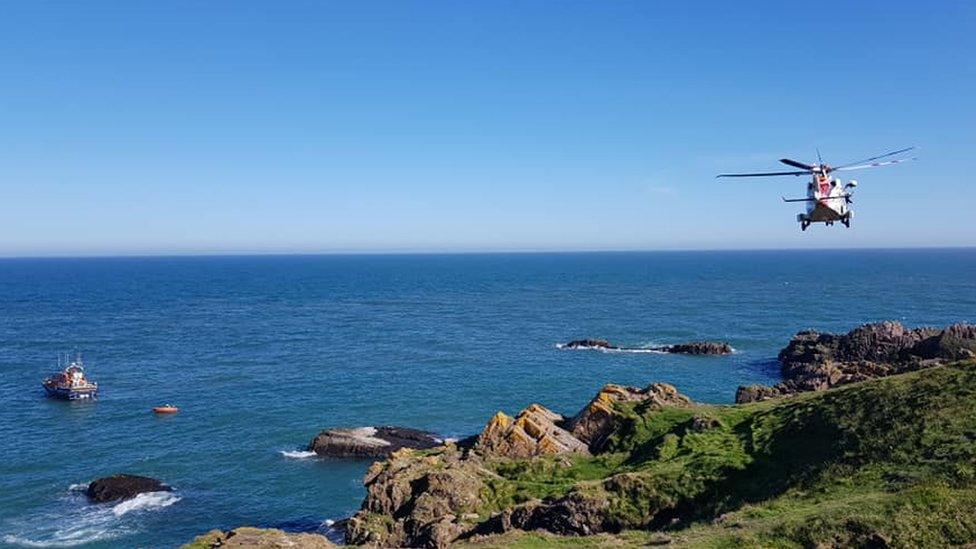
pixel 643 458
pixel 814 361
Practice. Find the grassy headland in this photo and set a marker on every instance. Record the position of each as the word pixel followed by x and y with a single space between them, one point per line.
pixel 886 462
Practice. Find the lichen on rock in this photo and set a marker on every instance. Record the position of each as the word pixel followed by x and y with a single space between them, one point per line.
pixel 534 431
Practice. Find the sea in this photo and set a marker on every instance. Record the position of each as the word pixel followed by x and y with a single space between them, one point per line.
pixel 260 353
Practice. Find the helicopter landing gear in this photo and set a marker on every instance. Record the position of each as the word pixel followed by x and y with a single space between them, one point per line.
pixel 846 220
pixel 804 224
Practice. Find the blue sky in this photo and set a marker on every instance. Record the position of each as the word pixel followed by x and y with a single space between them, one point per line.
pixel 196 127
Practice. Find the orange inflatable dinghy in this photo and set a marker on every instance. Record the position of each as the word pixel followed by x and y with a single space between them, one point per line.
pixel 167 409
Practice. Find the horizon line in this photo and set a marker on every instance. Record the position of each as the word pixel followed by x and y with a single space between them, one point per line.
pixel 420 252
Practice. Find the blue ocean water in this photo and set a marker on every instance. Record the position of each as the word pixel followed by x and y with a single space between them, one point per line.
pixel 261 353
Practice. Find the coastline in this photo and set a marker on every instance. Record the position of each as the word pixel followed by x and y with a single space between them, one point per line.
pixel 485 491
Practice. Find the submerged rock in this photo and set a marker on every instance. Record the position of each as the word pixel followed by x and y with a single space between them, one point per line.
pixel 534 431
pixel 259 538
pixel 370 442
pixel 122 486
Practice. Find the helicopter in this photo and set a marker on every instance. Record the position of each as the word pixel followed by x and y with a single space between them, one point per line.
pixel 827 199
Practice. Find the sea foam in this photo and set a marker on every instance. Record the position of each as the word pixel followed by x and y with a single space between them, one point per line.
pixel 144 502
pixel 84 523
pixel 297 454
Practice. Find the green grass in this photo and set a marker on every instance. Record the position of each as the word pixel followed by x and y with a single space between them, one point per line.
pixel 890 459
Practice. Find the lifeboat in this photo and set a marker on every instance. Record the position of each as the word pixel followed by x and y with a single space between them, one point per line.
pixel 167 409
pixel 70 383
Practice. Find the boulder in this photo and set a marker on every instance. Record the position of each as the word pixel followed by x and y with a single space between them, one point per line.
pixel 700 348
pixel 598 420
pixel 259 538
pixel 370 442
pixel 534 431
pixel 755 393
pixel 118 487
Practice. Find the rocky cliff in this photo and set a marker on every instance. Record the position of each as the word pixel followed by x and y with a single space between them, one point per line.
pixel 432 498
pixel 833 466
pixel 814 361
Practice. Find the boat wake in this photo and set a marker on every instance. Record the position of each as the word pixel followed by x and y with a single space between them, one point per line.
pixel 72 521
pixel 297 454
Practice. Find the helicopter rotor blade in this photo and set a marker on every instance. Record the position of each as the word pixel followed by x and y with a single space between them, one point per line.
pixel 880 156
pixel 766 174
pixel 846 197
pixel 796 164
pixel 873 165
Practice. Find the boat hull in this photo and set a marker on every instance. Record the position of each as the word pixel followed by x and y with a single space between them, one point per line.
pixel 62 393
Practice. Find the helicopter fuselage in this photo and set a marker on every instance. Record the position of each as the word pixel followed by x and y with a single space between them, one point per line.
pixel 826 202
pixel 828 199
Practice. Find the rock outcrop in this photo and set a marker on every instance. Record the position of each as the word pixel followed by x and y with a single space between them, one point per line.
pixel 432 498
pixel 259 538
pixel 575 514
pixel 588 344
pixel 700 348
pixel 814 361
pixel 118 487
pixel 535 431
pixel 370 442
pixel 597 421
pixel 419 500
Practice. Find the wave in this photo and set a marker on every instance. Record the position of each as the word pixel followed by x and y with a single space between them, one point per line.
pixel 145 502
pixel 80 537
pixel 297 454
pixel 81 487
pixel 446 440
pixel 73 521
pixel 652 349
pixel 335 532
